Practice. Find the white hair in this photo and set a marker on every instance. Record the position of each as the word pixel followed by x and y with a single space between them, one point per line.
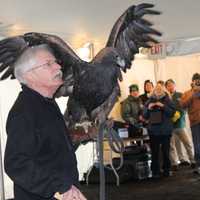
pixel 27 61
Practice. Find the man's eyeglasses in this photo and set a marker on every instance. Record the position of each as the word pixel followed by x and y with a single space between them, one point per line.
pixel 47 65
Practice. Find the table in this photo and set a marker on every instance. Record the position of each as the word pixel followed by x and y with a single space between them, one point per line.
pixel 109 154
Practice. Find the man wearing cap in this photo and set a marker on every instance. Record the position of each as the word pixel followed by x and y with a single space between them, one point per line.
pixel 191 101
pixel 132 106
pixel 179 131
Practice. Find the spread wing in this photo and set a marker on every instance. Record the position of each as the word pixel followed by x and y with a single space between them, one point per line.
pixel 131 32
pixel 12 47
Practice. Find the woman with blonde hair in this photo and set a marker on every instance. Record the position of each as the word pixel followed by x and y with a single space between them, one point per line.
pixel 159 110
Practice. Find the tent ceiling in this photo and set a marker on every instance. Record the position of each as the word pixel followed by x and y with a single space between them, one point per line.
pixel 79 21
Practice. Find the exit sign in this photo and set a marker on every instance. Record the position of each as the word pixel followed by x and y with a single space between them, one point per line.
pixel 157 51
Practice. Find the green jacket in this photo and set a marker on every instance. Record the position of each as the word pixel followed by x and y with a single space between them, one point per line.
pixel 180 123
pixel 130 109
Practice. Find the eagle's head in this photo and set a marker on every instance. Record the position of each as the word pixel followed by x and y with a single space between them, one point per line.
pixel 111 56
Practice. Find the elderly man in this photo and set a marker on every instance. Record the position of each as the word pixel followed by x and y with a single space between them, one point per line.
pixel 191 101
pixel 39 155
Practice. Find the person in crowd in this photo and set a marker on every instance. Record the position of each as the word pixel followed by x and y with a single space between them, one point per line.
pixel 148 88
pixel 179 131
pixel 131 109
pixel 158 111
pixel 39 155
pixel 191 100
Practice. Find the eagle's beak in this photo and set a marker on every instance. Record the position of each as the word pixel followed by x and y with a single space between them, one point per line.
pixel 121 63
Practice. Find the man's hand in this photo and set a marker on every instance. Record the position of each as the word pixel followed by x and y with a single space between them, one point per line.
pixel 73 194
pixel 151 105
pixel 141 118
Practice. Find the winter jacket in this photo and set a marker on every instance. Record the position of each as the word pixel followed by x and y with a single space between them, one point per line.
pixel 164 125
pixel 131 109
pixel 191 101
pixel 144 98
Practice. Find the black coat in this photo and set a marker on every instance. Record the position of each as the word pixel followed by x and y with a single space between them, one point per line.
pixel 144 98
pixel 39 155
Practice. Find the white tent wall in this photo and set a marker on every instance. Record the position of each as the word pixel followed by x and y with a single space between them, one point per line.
pixel 179 68
pixel 8 93
pixel 141 70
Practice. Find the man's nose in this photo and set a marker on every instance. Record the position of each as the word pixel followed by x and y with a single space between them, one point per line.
pixel 57 66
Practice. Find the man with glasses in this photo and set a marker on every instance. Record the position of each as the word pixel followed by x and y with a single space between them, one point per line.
pixel 39 155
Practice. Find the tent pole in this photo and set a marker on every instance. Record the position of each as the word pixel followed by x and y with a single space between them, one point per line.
pixel 100 137
pixel 2 194
pixel 156 67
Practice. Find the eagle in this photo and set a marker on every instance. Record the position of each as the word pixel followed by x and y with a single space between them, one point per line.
pixel 92 87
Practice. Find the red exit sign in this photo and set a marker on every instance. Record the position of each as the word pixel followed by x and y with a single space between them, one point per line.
pixel 157 51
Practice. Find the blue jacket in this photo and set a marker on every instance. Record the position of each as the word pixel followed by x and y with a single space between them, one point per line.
pixel 165 126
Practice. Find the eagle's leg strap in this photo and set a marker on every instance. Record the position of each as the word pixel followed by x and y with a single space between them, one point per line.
pixel 101 159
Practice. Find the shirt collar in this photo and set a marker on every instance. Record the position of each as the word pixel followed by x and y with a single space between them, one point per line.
pixel 35 93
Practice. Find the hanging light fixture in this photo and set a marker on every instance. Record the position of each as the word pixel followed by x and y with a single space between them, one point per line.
pixel 86 52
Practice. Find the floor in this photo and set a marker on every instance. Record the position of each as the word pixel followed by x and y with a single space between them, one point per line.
pixel 183 185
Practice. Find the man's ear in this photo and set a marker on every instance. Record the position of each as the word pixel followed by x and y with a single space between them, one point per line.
pixel 28 76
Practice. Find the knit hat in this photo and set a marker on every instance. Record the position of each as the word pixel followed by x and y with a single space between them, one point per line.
pixel 133 87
